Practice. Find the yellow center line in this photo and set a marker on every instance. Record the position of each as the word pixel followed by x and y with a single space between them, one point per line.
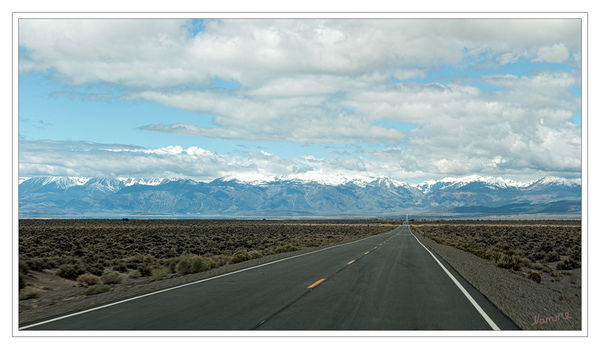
pixel 375 247
pixel 352 261
pixel 367 252
pixel 316 283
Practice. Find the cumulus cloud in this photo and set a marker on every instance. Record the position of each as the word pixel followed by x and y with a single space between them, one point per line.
pixel 159 53
pixel 322 81
pixel 450 116
pixel 42 158
pixel 556 53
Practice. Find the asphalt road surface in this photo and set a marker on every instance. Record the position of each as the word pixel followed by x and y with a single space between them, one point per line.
pixel 384 282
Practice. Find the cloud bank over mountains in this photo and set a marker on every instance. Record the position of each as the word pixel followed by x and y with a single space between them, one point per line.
pixel 39 158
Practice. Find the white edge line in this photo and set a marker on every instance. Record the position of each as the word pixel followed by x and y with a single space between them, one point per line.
pixel 460 287
pixel 194 282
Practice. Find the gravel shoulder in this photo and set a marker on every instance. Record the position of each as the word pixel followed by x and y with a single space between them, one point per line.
pixel 530 305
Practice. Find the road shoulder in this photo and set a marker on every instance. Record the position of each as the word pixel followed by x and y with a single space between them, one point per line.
pixel 527 303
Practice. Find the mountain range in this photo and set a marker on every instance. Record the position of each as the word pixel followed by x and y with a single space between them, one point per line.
pixel 376 197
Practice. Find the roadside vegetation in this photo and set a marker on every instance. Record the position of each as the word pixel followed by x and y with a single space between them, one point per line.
pixel 101 254
pixel 537 250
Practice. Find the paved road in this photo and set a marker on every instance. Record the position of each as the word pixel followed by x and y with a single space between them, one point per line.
pixel 384 282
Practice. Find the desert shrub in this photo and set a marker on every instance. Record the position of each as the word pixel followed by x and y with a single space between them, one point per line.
pixel 192 264
pixel 240 256
pixel 96 289
pixel 255 254
pixel 200 264
pixel 184 266
pixel 496 255
pixel 535 276
pixel 552 257
pixel 109 243
pixel 504 246
pixel 508 262
pixel 111 277
pixel 568 264
pixel 144 269
pixel 96 269
pixel 524 262
pixel 160 273
pixel 134 274
pixel 219 260
pixel 87 279
pixel 538 266
pixel 172 264
pixel 546 247
pixel 70 271
pixel 286 248
pixel 575 252
pixel 148 259
pixel 132 265
pixel 29 293
pixel 536 256
pixel 39 264
pixel 35 264
pixel 120 267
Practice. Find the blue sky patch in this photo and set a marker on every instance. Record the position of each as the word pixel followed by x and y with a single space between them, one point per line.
pixel 577 119
pixel 398 125
pixel 195 26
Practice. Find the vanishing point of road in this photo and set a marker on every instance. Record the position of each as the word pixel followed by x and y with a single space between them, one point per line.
pixel 389 281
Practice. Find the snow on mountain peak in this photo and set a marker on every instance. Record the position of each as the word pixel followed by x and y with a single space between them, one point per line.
pixel 129 181
pixel 495 181
pixel 309 177
pixel 62 182
pixel 556 180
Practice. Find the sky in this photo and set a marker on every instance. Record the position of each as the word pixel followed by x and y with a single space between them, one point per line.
pixel 312 99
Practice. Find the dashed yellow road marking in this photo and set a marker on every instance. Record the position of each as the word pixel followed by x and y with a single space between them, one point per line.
pixel 367 252
pixel 316 283
pixel 352 261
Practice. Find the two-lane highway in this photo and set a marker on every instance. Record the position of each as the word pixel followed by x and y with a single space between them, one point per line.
pixel 384 282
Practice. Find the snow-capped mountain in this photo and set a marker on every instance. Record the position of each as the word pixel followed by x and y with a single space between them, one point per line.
pixel 55 182
pixel 464 196
pixel 128 181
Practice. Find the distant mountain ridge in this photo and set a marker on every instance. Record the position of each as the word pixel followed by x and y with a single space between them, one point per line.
pixel 465 196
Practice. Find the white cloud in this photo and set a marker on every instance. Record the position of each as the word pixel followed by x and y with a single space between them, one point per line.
pixel 461 130
pixel 320 81
pixel 406 74
pixel 445 110
pixel 552 156
pixel 39 158
pixel 160 53
pixel 556 53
